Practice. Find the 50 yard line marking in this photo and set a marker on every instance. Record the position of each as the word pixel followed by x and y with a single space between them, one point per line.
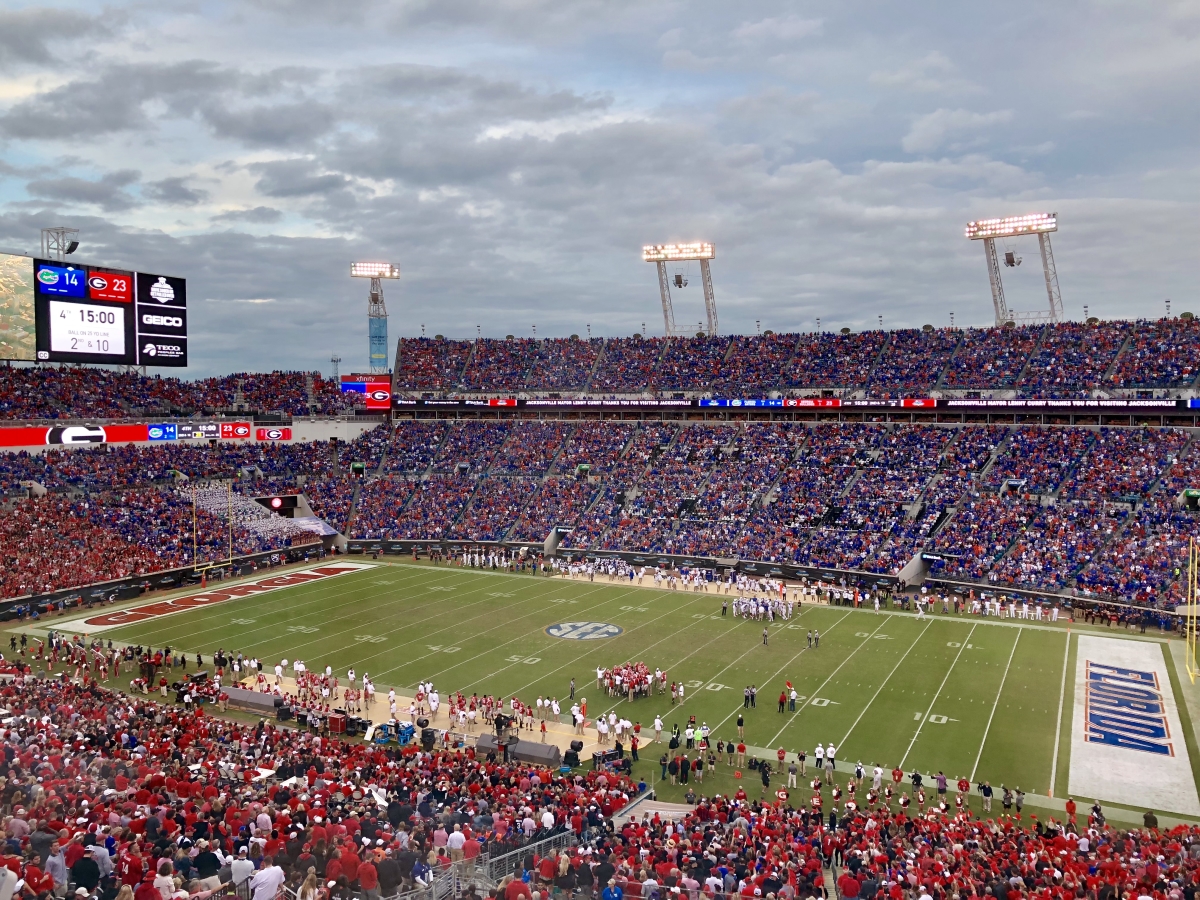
pixel 1062 689
pixel 999 691
pixel 924 718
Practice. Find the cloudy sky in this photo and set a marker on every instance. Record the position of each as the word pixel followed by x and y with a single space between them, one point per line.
pixel 512 156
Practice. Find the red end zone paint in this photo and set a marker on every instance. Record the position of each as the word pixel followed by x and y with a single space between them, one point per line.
pixel 207 598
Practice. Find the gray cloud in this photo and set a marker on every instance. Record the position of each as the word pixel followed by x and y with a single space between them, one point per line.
pixel 281 125
pixel 512 157
pixel 26 34
pixel 174 192
pixel 259 215
pixel 113 102
pixel 108 192
pixel 297 178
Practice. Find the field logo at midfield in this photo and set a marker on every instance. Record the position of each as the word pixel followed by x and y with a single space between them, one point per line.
pixel 147 611
pixel 1126 734
pixel 584 631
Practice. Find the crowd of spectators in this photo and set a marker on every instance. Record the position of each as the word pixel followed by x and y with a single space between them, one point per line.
pixel 912 362
pixel 1073 359
pixel 991 358
pixel 560 500
pixel 412 446
pixel 628 365
pixel 1056 545
pixel 330 499
pixel 1124 463
pixel 862 496
pixel 113 790
pixel 379 512
pixel 470 446
pixel 597 445
pixel 494 507
pixel 979 533
pixel 1037 460
pixel 57 542
pixel 75 392
pixel 430 365
pixel 1160 355
pixel 110 792
pixel 756 365
pixel 835 360
pixel 686 363
pixel 497 365
pixel 1063 360
pixel 532 448
pixel 561 364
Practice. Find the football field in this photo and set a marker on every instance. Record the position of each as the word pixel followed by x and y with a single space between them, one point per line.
pixel 983 698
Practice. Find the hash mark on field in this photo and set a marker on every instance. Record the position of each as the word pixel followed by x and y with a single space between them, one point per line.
pixel 883 684
pixel 934 700
pixel 992 715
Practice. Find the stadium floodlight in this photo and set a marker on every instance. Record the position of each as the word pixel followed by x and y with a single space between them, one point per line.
pixel 376 311
pixel 1040 224
pixel 1034 223
pixel 678 252
pixel 700 251
pixel 374 270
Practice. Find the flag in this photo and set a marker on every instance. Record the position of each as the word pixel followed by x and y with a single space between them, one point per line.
pixel 789 685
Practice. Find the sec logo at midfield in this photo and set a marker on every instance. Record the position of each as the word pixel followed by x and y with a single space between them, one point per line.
pixel 584 631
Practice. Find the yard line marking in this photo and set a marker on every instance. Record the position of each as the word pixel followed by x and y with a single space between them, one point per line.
pixel 736 625
pixel 357 623
pixel 924 718
pixel 1062 689
pixel 266 607
pixel 975 768
pixel 523 636
pixel 785 665
pixel 883 684
pixel 791 719
pixel 588 653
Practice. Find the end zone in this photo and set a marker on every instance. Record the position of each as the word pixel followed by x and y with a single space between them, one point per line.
pixel 95 623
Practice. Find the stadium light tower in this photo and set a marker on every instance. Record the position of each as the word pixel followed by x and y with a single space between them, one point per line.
pixel 376 311
pixel 1041 224
pixel 665 253
pixel 59 243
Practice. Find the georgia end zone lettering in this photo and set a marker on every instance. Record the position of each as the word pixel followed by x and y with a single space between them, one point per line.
pixel 208 598
pixel 1125 708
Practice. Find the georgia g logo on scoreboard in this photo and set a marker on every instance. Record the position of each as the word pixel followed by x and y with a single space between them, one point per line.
pixel 235 431
pixel 76 434
pixel 273 434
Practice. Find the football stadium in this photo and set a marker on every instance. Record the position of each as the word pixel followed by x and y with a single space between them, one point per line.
pixel 856 611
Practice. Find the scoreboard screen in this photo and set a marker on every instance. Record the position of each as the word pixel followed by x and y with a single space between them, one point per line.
pixel 93 314
pixel 84 315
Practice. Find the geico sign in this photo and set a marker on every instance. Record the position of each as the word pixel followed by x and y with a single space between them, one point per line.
pixel 172 321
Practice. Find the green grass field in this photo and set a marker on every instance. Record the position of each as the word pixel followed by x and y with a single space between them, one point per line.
pixel 971 697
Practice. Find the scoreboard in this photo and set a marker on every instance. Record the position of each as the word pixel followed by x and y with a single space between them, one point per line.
pixel 95 314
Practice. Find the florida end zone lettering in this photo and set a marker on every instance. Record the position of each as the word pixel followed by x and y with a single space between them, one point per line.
pixel 1125 708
